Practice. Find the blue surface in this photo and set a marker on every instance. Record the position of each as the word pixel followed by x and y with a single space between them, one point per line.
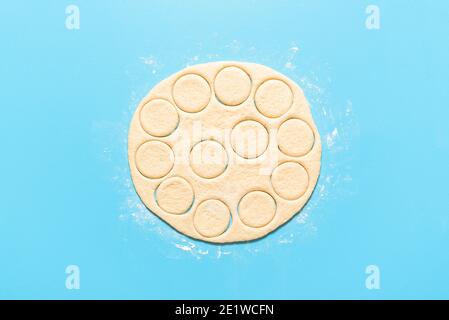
pixel 379 98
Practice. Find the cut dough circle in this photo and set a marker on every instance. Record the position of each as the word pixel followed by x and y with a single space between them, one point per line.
pixel 257 209
pixel 159 118
pixel 208 159
pixel 154 159
pixel 232 86
pixel 290 180
pixel 295 137
pixel 212 218
pixel 273 98
pixel 224 151
pixel 191 93
pixel 175 195
pixel 249 139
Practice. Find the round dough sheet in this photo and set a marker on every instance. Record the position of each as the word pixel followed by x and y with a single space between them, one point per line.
pixel 224 151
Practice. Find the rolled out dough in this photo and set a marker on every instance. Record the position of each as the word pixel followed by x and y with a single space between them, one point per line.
pixel 224 151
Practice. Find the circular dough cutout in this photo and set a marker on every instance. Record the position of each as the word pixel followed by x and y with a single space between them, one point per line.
pixel 256 209
pixel 211 218
pixel 174 195
pixel 249 139
pixel 290 180
pixel 295 137
pixel 191 93
pixel 232 86
pixel 154 159
pixel 273 98
pixel 159 118
pixel 208 159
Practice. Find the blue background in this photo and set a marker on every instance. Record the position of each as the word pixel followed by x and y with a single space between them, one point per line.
pixel 379 97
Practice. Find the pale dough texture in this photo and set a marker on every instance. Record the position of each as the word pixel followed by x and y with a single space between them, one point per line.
pixel 224 151
pixel 256 209
pixel 212 218
pixel 159 118
pixel 232 86
pixel 208 159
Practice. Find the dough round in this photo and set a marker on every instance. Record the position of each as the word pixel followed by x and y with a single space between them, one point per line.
pixel 224 151
pixel 154 159
pixel 212 218
pixel 208 159
pixel 295 137
pixel 175 195
pixel 159 118
pixel 232 86
pixel 249 139
pixel 257 209
pixel 273 98
pixel 191 93
pixel 290 180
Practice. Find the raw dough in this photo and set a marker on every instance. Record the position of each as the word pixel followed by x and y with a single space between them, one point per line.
pixel 191 93
pixel 174 195
pixel 211 218
pixel 273 98
pixel 290 180
pixel 154 159
pixel 224 151
pixel 208 159
pixel 290 132
pixel 249 139
pixel 257 209
pixel 159 118
pixel 232 86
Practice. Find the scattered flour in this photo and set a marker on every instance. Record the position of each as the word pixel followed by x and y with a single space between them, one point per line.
pixel 336 123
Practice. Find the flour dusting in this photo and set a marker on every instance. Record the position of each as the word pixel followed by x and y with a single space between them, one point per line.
pixel 335 121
